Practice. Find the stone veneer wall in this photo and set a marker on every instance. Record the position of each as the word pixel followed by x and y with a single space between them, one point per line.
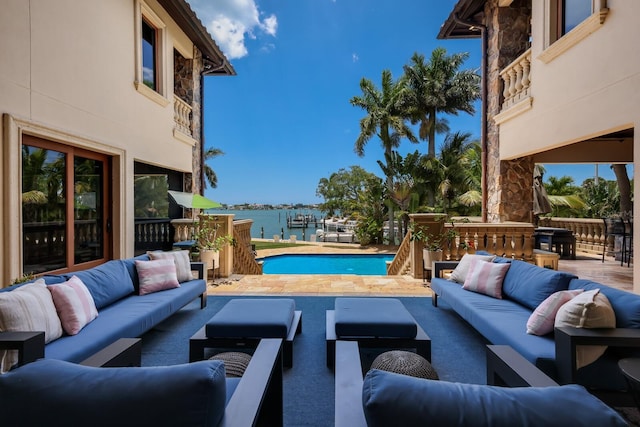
pixel 196 123
pixel 510 182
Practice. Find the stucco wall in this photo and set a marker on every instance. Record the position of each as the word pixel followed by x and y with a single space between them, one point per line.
pixel 67 71
pixel 589 90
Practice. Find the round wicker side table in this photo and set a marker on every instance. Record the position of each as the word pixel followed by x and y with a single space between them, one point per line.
pixel 406 363
pixel 235 363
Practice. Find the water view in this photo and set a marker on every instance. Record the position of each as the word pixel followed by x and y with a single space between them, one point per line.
pixel 267 223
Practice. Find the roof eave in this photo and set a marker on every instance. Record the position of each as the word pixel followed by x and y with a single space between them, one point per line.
pixel 464 10
pixel 189 22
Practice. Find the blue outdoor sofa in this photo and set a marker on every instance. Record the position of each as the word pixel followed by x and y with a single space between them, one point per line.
pixel 122 313
pixel 517 394
pixel 525 286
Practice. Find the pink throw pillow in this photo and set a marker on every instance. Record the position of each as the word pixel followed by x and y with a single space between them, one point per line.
pixel 542 319
pixel 486 277
pixel 74 304
pixel 157 275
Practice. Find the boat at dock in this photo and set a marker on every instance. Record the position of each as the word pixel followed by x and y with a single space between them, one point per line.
pixel 337 230
pixel 300 220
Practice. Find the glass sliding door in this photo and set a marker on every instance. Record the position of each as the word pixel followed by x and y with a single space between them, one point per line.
pixel 60 232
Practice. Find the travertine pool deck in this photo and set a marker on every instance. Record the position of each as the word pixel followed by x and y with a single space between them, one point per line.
pixel 585 266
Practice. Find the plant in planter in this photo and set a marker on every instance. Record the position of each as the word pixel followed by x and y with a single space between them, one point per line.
pixel 432 242
pixel 209 243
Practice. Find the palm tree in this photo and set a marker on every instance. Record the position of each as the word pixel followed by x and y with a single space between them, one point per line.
pixel 209 173
pixel 385 119
pixel 436 87
pixel 456 173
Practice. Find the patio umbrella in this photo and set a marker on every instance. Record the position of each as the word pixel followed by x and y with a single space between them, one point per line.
pixel 193 201
pixel 541 203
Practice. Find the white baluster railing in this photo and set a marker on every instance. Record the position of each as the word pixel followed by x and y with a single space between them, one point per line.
pixel 516 78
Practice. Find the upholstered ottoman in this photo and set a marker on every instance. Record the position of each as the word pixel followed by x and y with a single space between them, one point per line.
pixel 243 322
pixel 374 323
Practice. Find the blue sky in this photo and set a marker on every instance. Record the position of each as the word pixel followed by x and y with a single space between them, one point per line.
pixel 285 121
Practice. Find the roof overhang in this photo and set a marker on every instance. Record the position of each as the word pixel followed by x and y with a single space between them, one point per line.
pixel 215 63
pixel 459 23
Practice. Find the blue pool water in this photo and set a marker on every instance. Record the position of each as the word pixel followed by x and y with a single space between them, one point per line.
pixel 369 264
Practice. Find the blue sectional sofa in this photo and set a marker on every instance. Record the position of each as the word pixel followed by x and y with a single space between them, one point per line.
pixel 122 313
pixel 525 286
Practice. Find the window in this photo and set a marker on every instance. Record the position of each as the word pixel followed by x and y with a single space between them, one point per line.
pixel 149 55
pixel 568 22
pixel 64 206
pixel 572 13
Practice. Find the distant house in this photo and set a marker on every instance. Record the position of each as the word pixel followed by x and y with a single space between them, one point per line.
pixel 101 105
pixel 562 86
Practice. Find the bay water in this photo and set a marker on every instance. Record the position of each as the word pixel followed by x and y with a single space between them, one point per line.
pixel 270 222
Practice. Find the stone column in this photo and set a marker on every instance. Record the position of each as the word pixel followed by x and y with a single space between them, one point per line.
pixel 509 183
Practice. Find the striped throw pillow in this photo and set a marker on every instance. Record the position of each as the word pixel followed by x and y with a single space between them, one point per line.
pixel 181 258
pixel 74 304
pixel 486 278
pixel 27 308
pixel 157 275
pixel 543 317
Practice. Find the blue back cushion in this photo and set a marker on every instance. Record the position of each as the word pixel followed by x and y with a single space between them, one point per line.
pixel 529 284
pixel 191 394
pixel 107 283
pixel 625 304
pixel 130 263
pixel 391 399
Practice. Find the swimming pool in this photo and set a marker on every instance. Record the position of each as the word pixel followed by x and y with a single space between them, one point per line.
pixel 361 264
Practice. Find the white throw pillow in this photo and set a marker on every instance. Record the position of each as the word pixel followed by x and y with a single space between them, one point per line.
pixel 486 277
pixel 181 258
pixel 591 309
pixel 28 308
pixel 460 273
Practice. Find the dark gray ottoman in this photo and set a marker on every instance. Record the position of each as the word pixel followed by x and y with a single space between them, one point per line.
pixel 243 322
pixel 374 323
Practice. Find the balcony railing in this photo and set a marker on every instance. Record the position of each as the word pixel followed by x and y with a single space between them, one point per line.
pixel 182 116
pixel 516 78
pixel 589 232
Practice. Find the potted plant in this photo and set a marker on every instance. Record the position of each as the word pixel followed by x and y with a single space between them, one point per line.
pixel 209 243
pixel 432 241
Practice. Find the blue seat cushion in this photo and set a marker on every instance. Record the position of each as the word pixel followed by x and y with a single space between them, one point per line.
pixel 253 318
pixel 391 399
pixel 529 284
pixel 191 394
pixel 373 317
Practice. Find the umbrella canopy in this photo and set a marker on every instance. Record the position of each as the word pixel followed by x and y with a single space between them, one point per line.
pixel 541 203
pixel 193 201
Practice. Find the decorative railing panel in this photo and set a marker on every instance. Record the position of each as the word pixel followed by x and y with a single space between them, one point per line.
pixel 402 259
pixel 152 234
pixel 182 116
pixel 244 260
pixel 516 78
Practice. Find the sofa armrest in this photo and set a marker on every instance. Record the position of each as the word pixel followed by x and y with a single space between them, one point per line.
pixel 257 399
pixel 125 352
pixel 349 411
pixel 440 266
pixel 507 367
pixel 30 345
pixel 198 267
pixel 568 338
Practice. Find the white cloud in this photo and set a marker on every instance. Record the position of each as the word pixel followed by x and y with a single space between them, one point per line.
pixel 230 22
pixel 355 57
